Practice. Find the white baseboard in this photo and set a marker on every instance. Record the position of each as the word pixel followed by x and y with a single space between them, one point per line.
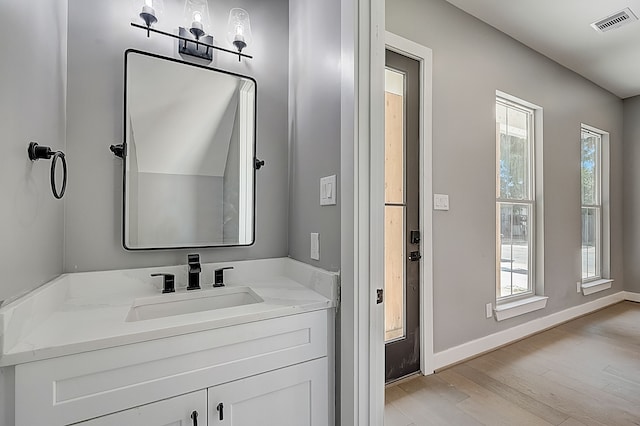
pixel 484 344
pixel 632 297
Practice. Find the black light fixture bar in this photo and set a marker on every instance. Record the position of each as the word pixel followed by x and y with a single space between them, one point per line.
pixel 153 30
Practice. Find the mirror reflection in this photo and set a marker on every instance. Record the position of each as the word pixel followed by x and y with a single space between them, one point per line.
pixel 189 155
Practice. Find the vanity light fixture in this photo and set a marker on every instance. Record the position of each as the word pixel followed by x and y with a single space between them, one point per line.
pixel 194 40
pixel 239 29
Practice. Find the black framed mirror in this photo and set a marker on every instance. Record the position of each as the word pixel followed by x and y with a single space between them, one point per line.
pixel 189 155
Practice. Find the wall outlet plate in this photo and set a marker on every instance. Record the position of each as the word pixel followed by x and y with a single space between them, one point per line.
pixel 315 246
pixel 440 202
pixel 489 310
pixel 579 287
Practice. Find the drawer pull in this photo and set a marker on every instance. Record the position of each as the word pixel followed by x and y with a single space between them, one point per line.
pixel 194 417
pixel 220 409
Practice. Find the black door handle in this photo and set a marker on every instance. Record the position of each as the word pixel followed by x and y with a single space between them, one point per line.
pixel 194 417
pixel 220 409
pixel 414 256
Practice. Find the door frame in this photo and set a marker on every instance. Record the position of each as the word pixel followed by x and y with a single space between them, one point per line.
pixel 424 56
pixel 361 375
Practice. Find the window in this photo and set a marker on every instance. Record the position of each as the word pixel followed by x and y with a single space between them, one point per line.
pixel 594 179
pixel 515 199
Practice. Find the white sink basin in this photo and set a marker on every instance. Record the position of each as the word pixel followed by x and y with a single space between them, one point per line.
pixel 168 305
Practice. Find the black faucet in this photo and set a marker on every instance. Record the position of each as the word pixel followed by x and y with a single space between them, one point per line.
pixel 218 276
pixel 168 282
pixel 194 271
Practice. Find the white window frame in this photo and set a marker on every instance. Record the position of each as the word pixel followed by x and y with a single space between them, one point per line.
pixel 603 279
pixel 510 306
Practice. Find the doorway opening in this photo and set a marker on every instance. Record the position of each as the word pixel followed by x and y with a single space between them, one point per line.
pixel 402 216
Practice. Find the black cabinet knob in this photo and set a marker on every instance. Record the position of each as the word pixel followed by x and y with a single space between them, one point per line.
pixel 220 409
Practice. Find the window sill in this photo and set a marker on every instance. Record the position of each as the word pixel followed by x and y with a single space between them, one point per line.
pixel 591 287
pixel 520 307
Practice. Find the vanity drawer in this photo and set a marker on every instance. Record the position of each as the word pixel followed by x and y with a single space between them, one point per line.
pixel 77 387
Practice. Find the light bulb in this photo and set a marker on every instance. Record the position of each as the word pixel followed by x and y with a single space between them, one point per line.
pixel 148 13
pixel 148 10
pixel 239 28
pixel 196 17
pixel 197 29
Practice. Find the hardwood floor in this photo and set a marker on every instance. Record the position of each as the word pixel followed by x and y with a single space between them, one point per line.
pixel 585 372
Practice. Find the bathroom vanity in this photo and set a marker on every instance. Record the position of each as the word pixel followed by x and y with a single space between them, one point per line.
pixel 108 348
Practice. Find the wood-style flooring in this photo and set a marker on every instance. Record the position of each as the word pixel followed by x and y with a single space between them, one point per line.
pixel 584 372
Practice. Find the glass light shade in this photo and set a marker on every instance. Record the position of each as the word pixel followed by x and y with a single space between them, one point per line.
pixel 239 28
pixel 148 10
pixel 196 17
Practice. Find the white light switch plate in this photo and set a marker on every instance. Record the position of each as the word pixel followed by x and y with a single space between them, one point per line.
pixel 440 202
pixel 315 246
pixel 489 310
pixel 328 190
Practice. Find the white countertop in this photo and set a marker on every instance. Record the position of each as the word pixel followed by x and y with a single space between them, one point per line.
pixel 87 311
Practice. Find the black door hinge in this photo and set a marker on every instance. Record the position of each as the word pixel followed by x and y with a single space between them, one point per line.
pixel 380 296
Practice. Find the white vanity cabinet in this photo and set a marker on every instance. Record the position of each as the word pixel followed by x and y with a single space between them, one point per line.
pixel 269 372
pixel 292 396
pixel 183 410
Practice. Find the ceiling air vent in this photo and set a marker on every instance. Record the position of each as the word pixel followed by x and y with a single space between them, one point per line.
pixel 614 21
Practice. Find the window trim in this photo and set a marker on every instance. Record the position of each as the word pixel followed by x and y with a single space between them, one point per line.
pixel 599 283
pixel 596 205
pixel 537 228
pixel 514 308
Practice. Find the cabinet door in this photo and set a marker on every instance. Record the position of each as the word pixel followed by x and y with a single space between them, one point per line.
pixel 177 411
pixel 291 396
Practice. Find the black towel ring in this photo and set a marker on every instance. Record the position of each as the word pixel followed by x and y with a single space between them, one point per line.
pixel 37 152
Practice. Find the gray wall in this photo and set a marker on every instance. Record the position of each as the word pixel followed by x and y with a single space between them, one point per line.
pixel 32 108
pixel 314 127
pixel 95 101
pixel 471 60
pixel 631 193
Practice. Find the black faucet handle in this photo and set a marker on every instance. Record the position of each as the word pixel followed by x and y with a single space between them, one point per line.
pixel 169 282
pixel 194 262
pixel 218 276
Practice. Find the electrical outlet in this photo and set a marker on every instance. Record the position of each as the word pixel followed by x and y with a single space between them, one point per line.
pixel 579 287
pixel 440 202
pixel 315 246
pixel 489 309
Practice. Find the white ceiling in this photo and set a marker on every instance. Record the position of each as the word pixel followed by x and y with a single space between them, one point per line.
pixel 561 30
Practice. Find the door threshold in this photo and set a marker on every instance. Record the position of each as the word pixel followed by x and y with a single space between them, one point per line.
pixel 402 379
